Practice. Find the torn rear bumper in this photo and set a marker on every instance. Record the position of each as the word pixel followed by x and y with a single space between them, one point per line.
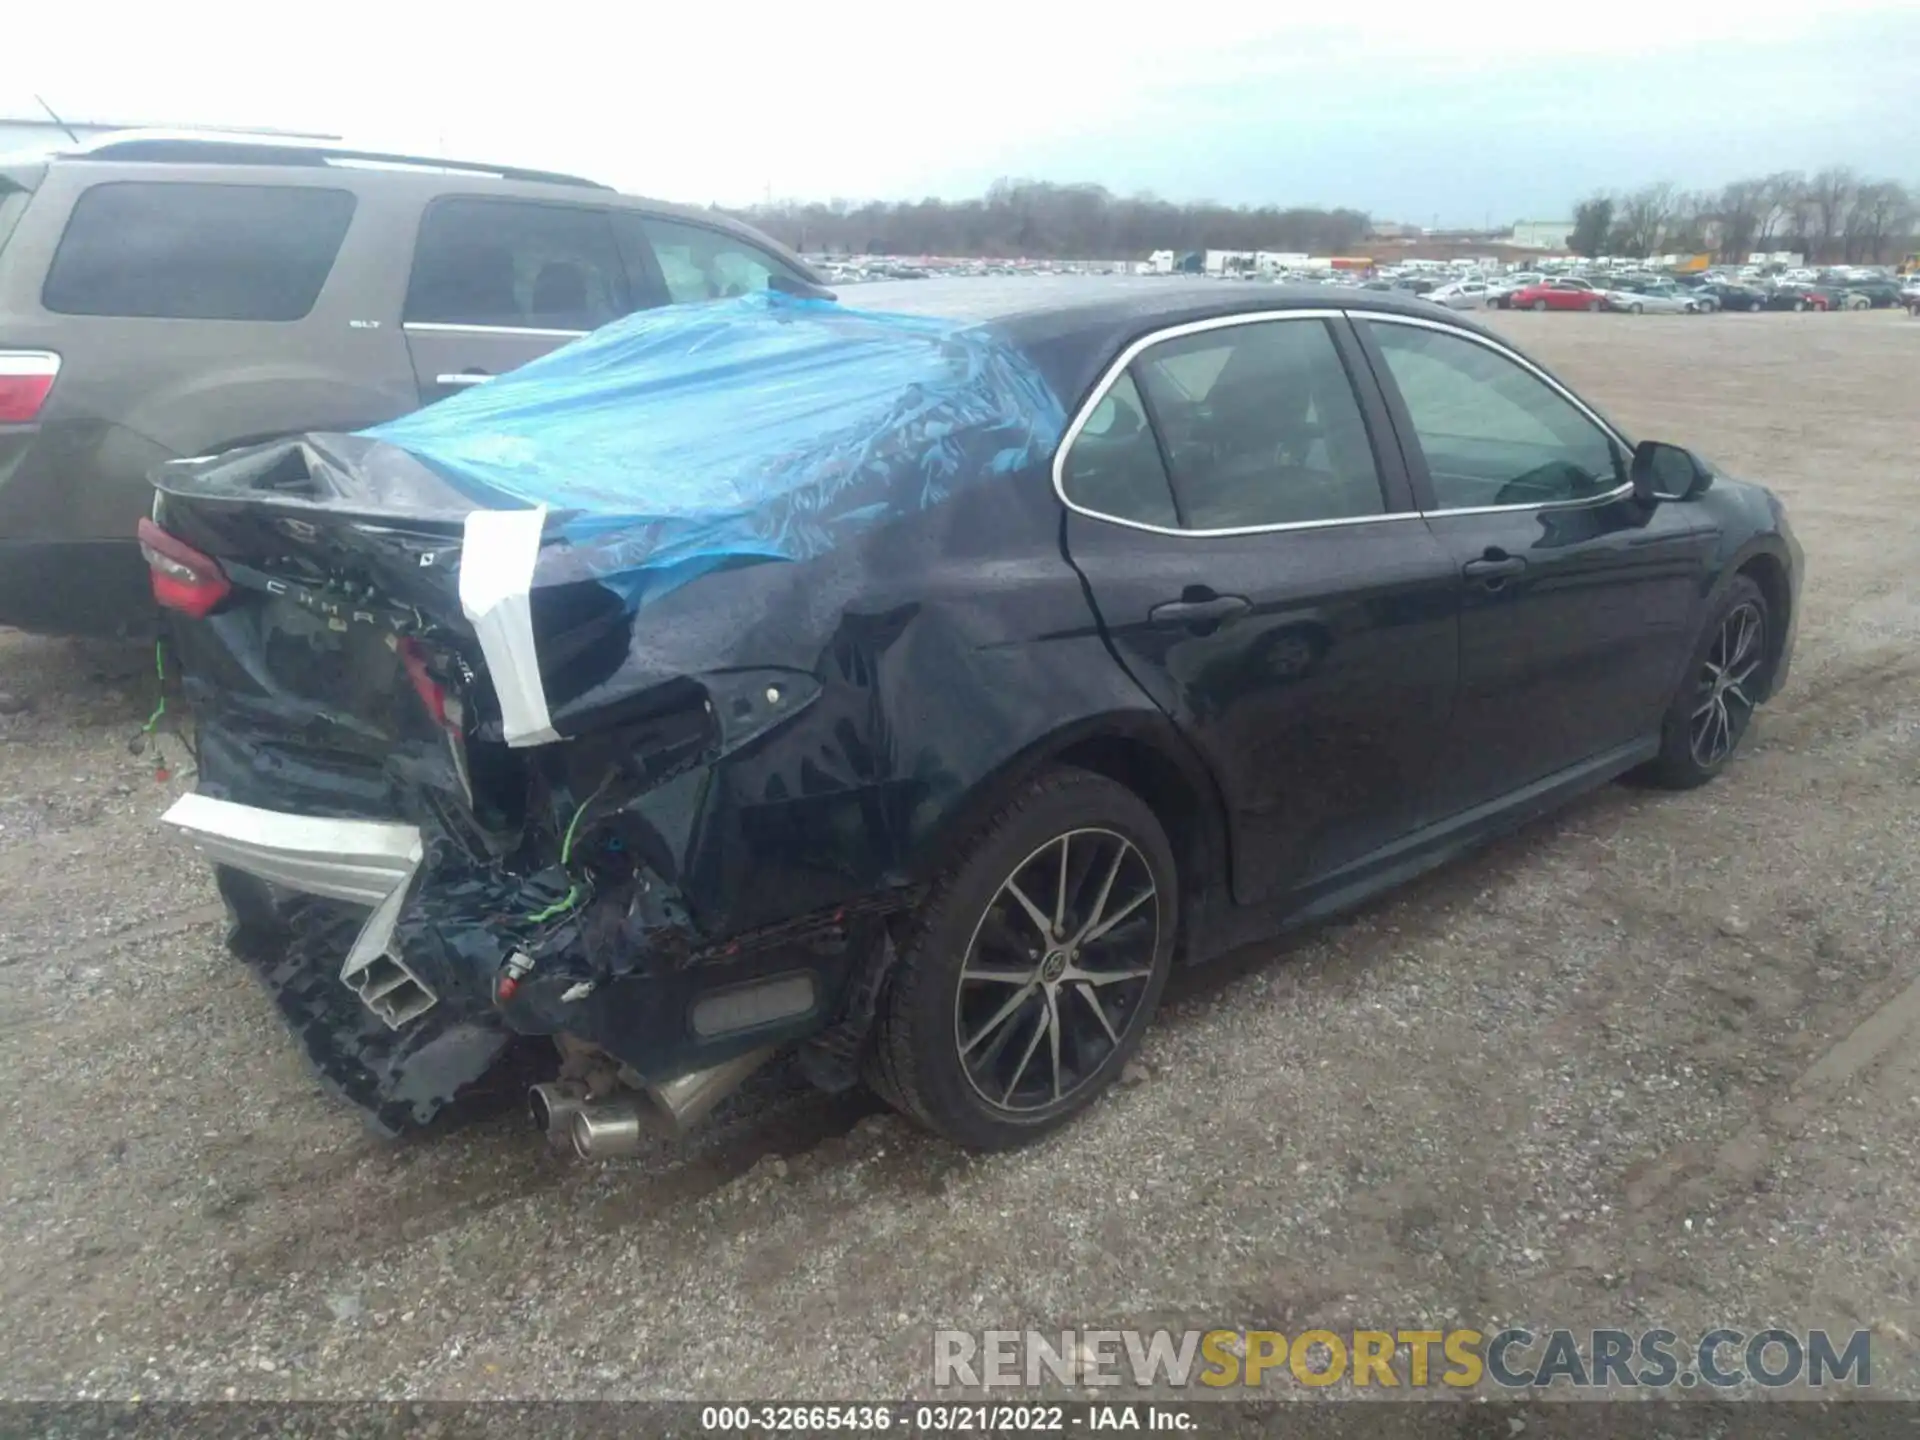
pixel 365 1023
pixel 362 861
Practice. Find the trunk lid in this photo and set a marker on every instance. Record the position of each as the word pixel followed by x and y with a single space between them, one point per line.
pixel 339 678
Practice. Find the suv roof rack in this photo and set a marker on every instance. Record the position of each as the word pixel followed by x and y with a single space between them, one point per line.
pixel 192 147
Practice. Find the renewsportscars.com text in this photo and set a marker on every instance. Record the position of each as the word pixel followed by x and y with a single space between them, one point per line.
pixel 1460 1359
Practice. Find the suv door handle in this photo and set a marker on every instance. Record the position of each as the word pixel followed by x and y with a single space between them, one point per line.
pixel 465 377
pixel 1210 611
pixel 1493 571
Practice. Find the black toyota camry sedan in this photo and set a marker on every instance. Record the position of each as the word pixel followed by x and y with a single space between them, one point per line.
pixel 906 684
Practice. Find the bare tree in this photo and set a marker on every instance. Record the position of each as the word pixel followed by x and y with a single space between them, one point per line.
pixel 1039 219
pixel 1836 211
pixel 1780 193
pixel 1644 215
pixel 1592 226
pixel 1881 213
pixel 1829 196
pixel 1686 227
pixel 1740 211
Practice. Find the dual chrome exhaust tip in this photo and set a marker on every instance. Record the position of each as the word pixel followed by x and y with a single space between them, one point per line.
pixel 613 1126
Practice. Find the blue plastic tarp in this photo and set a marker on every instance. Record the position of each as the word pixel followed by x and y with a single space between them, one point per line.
pixel 761 428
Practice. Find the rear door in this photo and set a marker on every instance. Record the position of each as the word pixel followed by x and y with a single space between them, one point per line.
pixel 1577 603
pixel 496 283
pixel 1240 515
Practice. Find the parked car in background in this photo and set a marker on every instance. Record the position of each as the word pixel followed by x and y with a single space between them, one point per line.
pixel 1559 294
pixel 1501 291
pixel 1799 297
pixel 1652 297
pixel 1869 294
pixel 1879 294
pixel 1729 295
pixel 1461 295
pixel 168 294
pixel 936 786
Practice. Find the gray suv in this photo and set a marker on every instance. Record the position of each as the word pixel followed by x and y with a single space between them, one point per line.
pixel 166 295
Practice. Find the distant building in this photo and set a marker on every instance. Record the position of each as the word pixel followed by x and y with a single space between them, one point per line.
pixel 1541 234
pixel 1390 230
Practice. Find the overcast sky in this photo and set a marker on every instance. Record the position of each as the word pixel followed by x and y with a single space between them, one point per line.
pixel 1448 111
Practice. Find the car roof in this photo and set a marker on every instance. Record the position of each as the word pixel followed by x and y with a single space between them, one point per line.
pixel 232 157
pixel 1072 326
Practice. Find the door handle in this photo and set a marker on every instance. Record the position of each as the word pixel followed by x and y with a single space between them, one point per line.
pixel 1210 611
pixel 1493 571
pixel 465 377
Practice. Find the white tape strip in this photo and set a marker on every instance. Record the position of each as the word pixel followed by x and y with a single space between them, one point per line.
pixel 496 579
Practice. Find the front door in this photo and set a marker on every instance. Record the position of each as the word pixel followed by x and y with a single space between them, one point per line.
pixel 1578 603
pixel 497 283
pixel 1257 565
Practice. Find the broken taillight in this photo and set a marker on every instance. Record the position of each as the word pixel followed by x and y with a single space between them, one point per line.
pixel 183 579
pixel 26 379
pixel 433 695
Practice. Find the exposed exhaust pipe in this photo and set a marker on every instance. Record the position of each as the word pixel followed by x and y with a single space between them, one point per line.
pixel 553 1106
pixel 611 1129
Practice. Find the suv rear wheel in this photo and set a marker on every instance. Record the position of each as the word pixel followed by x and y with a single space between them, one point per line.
pixel 1034 965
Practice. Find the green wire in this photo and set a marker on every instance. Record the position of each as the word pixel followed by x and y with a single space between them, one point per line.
pixel 572 896
pixel 558 907
pixel 159 669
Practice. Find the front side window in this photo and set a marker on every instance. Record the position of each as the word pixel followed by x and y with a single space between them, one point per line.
pixel 1492 431
pixel 701 264
pixel 1261 426
pixel 515 265
pixel 1113 467
pixel 197 252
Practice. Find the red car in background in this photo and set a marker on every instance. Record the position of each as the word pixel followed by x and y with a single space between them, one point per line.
pixel 1564 294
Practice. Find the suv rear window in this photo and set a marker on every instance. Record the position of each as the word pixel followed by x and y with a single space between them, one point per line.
pixel 197 252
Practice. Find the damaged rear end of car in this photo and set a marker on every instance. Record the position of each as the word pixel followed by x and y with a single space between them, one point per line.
pixel 555 710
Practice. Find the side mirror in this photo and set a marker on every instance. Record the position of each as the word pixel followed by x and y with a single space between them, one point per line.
pixel 1667 472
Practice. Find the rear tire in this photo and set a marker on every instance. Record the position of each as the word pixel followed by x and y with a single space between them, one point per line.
pixel 1539 305
pixel 1725 676
pixel 992 1073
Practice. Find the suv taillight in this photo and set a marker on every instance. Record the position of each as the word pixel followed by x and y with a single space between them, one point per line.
pixel 183 579
pixel 26 379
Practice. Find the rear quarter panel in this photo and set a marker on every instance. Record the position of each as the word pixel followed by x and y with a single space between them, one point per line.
pixel 942 654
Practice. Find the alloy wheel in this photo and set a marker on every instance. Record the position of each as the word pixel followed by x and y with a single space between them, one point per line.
pixel 1724 702
pixel 1057 970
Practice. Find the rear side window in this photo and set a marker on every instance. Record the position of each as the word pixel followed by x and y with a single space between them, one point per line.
pixel 701 264
pixel 1113 467
pixel 1261 426
pixel 197 252
pixel 513 265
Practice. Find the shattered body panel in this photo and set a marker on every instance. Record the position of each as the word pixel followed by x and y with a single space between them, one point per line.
pixel 773 715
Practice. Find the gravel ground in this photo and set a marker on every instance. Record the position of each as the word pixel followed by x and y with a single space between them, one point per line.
pixel 1652 1061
